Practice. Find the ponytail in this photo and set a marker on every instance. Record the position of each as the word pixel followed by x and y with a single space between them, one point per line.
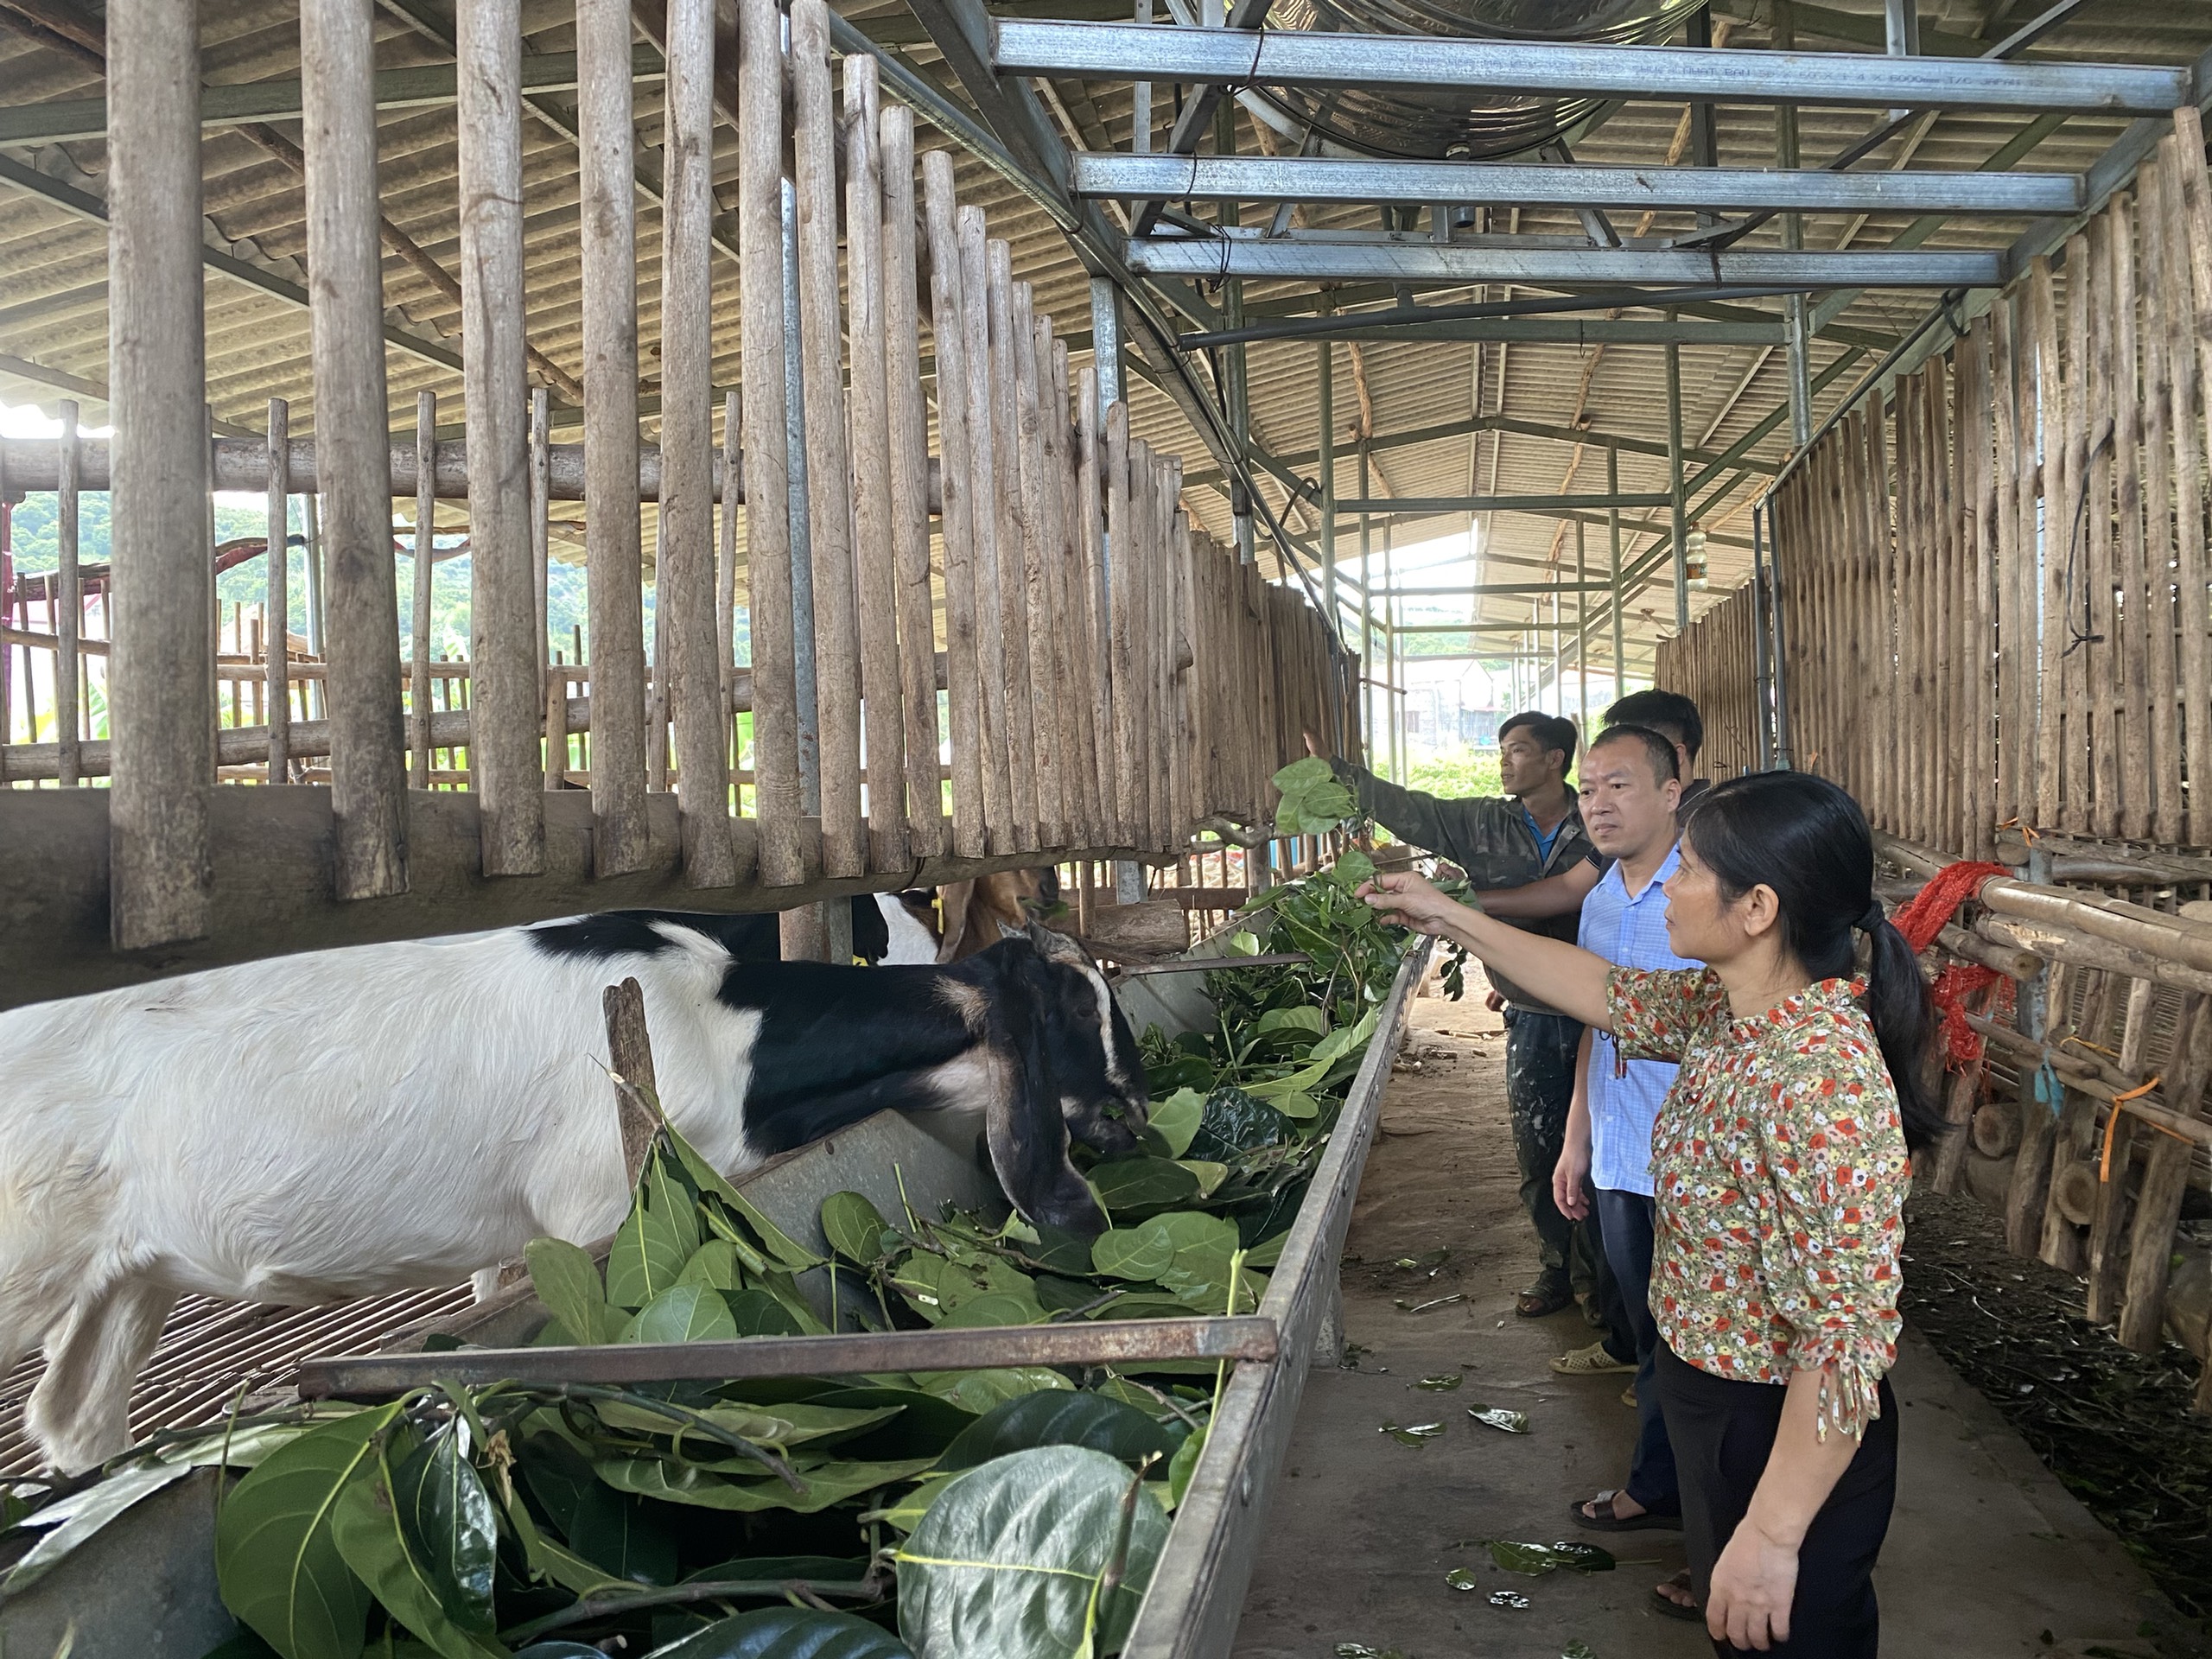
pixel 1806 840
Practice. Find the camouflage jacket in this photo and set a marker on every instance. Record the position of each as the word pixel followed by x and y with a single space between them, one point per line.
pixel 1486 835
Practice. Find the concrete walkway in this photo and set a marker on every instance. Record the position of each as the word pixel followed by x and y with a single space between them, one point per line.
pixel 1988 1556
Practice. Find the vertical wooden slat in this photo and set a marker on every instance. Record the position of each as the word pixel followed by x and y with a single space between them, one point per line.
pixel 541 526
pixel 368 780
pixel 875 559
pixel 2193 383
pixel 732 470
pixel 1944 752
pixel 2055 410
pixel 1122 637
pixel 690 673
pixel 2131 648
pixel 1060 591
pixel 2165 1177
pixel 613 553
pixel 2161 716
pixel 1981 629
pixel 1049 756
pixel 1138 620
pixel 277 665
pixel 2025 578
pixel 506 647
pixel 1091 506
pixel 2088 550
pixel 776 798
pixel 423 567
pixel 65 603
pixel 1020 737
pixel 957 475
pixel 908 420
pixel 991 556
pixel 837 624
pixel 1074 617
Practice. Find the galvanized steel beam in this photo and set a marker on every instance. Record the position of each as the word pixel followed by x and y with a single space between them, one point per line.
pixel 1458 264
pixel 1647 74
pixel 1733 189
pixel 1419 507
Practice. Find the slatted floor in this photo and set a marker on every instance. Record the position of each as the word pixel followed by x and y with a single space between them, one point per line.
pixel 212 1347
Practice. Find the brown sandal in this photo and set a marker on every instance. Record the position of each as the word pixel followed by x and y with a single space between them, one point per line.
pixel 1689 1611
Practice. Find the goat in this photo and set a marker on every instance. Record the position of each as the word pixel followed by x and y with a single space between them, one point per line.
pixel 354 1121
pixel 978 913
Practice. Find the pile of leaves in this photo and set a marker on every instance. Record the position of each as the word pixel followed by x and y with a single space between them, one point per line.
pixel 1012 1511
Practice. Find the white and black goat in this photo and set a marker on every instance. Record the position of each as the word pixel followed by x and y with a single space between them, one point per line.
pixel 353 1122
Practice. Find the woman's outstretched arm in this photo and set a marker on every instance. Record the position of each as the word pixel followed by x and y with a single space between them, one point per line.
pixel 1571 979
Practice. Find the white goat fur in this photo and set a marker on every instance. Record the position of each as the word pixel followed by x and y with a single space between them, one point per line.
pixel 320 1127
pixel 911 945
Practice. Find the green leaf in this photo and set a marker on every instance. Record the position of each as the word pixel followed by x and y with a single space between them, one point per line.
pixel 245 1445
pixel 1209 1175
pixel 1346 1039
pixel 1351 869
pixel 781 1426
pixel 668 1194
pixel 1242 943
pixel 648 1256
pixel 787 1633
pixel 568 1282
pixel 1303 1018
pixel 1267 1253
pixel 1314 803
pixel 853 1227
pixel 992 1310
pixel 1079 1419
pixel 831 1483
pixel 1008 1561
pixel 1535 1559
pixel 1185 1463
pixel 450 1526
pixel 1177 1119
pixel 365 1523
pixel 71 1520
pixel 713 1265
pixel 905 1513
pixel 1300 1107
pixel 277 1563
pixel 1130 1187
pixel 623 1534
pixel 774 1239
pixel 1235 1123
pixel 1142 1252
pixel 757 1314
pixel 683 1314
pixel 978 1391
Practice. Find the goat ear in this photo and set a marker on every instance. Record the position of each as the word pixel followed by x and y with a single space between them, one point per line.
pixel 1056 946
pixel 1028 1136
pixel 1007 932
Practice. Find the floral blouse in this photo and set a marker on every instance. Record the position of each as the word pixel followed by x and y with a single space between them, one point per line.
pixel 1780 1172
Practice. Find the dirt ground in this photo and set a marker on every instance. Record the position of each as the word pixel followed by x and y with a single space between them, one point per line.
pixel 1988 1556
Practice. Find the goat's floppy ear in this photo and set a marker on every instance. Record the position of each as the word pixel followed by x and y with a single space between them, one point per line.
pixel 1055 946
pixel 1027 1135
pixel 1007 932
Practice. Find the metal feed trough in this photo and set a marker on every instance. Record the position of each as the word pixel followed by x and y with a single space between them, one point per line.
pixel 146 1586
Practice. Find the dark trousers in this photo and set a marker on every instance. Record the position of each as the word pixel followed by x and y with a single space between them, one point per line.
pixel 1624 1223
pixel 1538 1087
pixel 1722 1432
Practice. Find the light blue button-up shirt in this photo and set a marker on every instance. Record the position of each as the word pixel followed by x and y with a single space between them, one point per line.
pixel 1625 1096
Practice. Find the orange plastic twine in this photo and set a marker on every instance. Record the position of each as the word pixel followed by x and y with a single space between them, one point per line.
pixel 2112 1124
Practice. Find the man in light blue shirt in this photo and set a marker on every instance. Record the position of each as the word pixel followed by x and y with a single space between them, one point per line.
pixel 1630 790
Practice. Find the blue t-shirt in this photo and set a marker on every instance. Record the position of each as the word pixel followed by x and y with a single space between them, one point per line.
pixel 1625 1094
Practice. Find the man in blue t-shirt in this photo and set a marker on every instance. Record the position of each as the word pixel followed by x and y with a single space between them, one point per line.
pixel 1630 790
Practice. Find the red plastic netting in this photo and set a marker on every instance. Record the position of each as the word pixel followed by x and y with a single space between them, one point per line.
pixel 1920 921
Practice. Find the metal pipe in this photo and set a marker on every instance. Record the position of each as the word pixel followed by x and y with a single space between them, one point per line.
pixel 1379 258
pixel 1613 532
pixel 1327 449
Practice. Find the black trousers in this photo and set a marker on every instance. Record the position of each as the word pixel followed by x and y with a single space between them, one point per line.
pixel 1625 1222
pixel 1722 1432
pixel 1539 1089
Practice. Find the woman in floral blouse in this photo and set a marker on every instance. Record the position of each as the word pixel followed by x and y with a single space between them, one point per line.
pixel 1781 1164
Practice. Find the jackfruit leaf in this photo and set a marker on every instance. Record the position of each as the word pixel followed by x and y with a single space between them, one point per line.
pixel 1296 1104
pixel 1056 1419
pixel 365 1524
pixel 1510 1422
pixel 1535 1559
pixel 787 1633
pixel 905 1513
pixel 450 1528
pixel 1139 1252
pixel 1235 1123
pixel 647 1257
pixel 978 1391
pixel 853 1227
pixel 1304 1018
pixel 1176 1118
pixel 1008 1559
pixel 1211 1175
pixel 715 1265
pixel 992 1310
pixel 619 1533
pixel 760 1314
pixel 1184 1464
pixel 1132 1187
pixel 276 1564
pixel 683 1314
pixel 1314 803
pixel 830 1484
pixel 777 1242
pixel 661 1186
pixel 567 1282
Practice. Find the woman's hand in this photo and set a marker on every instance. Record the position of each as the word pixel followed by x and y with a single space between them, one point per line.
pixel 1753 1584
pixel 1410 899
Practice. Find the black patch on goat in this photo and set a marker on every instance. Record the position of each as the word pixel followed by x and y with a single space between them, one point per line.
pixel 750 938
pixel 871 930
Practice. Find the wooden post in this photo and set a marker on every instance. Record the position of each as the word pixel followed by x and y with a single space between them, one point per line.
pixel 2193 380
pixel 353 464
pixel 692 670
pixel 2160 355
pixel 732 465
pixel 2165 1175
pixel 507 646
pixel 1020 729
pixel 630 1059
pixel 876 556
pixel 1091 509
pixel 279 638
pixel 554 689
pixel 423 565
pixel 983 495
pixel 2129 733
pixel 614 556
pixel 836 626
pixel 956 482
pixel 1120 539
pixel 1048 755
pixel 65 604
pixel 2048 385
pixel 908 418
